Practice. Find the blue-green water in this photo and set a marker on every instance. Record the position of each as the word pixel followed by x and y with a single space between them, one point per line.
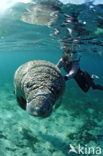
pixel 79 119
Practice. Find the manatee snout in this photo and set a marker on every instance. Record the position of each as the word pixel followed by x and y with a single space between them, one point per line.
pixel 39 106
pixel 46 84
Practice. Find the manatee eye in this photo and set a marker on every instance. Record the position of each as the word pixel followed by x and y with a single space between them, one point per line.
pixel 28 85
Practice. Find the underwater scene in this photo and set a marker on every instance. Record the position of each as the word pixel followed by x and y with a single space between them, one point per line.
pixel 43 30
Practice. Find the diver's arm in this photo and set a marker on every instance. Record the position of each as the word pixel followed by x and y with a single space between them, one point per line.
pixel 73 71
pixel 60 63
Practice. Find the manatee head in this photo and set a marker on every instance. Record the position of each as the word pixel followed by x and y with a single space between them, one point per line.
pixel 40 105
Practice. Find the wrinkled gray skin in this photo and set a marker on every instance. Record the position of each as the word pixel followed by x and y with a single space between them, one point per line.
pixel 38 84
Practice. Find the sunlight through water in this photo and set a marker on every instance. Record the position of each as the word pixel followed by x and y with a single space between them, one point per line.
pixel 7 4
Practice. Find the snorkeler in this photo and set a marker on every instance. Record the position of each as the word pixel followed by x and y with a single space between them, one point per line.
pixel 70 62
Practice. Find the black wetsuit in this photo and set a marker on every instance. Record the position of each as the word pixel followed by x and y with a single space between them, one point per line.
pixel 85 81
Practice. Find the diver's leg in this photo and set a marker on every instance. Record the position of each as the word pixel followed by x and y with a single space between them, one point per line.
pixel 91 82
pixel 97 86
pixel 80 78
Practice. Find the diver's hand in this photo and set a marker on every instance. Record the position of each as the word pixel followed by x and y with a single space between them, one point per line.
pixel 65 77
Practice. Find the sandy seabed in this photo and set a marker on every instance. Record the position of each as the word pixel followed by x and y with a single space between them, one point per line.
pixel 77 121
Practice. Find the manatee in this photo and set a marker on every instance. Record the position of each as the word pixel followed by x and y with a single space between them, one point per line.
pixel 38 85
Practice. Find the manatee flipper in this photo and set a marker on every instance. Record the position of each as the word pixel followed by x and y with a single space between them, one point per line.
pixel 22 102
